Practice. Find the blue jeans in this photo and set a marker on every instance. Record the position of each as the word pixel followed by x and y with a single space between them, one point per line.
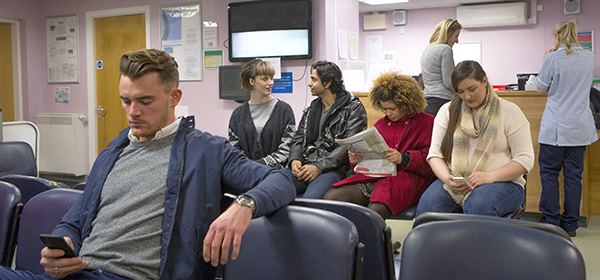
pixel 551 160
pixel 497 199
pixel 97 274
pixel 317 187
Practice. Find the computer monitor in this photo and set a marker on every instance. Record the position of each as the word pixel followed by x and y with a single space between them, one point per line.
pixel 229 84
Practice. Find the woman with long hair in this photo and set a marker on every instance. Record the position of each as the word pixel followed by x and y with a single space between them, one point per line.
pixel 407 131
pixel 483 139
pixel 437 63
pixel 263 127
pixel 567 125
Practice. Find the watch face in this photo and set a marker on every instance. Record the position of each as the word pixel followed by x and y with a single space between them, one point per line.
pixel 246 201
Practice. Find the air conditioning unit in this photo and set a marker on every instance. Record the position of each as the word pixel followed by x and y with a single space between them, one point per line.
pixel 511 13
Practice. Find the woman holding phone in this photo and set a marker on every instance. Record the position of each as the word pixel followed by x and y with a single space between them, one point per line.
pixel 484 139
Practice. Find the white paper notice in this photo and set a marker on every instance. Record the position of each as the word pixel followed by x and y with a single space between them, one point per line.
pixel 374 48
pixel 276 62
pixel 210 34
pixel 61 49
pixel 353 44
pixel 181 36
pixel 343 43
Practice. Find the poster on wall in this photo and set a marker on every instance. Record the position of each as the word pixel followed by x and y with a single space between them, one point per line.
pixel 586 40
pixel 62 51
pixel 181 37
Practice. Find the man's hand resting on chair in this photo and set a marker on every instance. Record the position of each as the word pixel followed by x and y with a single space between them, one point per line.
pixel 229 226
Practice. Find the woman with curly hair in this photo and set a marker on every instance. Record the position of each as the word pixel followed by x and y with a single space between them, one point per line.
pixel 407 131
pixel 484 139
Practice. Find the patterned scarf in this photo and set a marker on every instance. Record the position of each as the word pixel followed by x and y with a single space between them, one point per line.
pixel 484 126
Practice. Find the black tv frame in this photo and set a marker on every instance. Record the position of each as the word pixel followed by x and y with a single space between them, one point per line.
pixel 265 18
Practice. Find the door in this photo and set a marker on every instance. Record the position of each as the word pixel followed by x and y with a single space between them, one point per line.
pixel 112 37
pixel 6 73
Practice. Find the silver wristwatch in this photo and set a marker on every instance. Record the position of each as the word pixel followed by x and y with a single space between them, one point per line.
pixel 247 201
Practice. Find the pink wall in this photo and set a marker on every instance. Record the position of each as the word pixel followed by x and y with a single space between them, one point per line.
pixel 506 51
pixel 31 22
pixel 211 113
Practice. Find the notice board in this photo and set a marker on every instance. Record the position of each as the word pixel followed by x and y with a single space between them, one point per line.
pixel 181 37
pixel 62 51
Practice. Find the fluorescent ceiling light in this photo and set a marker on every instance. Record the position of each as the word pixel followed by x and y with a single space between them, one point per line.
pixel 381 2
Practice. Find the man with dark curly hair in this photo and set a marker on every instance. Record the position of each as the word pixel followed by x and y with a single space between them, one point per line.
pixel 316 160
pixel 407 131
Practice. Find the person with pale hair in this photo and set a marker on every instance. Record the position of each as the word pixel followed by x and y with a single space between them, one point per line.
pixel 263 127
pixel 407 132
pixel 437 63
pixel 483 139
pixel 567 125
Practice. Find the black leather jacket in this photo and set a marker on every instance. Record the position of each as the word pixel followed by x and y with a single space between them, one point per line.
pixel 346 117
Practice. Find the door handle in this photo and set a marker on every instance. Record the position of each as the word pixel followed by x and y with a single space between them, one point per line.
pixel 100 111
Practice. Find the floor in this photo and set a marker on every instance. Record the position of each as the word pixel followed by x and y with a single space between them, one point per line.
pixel 587 241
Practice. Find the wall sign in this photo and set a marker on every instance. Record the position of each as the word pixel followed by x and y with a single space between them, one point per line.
pixel 62 49
pixel 181 37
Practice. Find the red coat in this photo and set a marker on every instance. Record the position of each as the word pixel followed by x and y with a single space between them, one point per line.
pixel 412 135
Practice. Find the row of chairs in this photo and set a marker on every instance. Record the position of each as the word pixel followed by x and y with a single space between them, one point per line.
pixel 20 226
pixel 440 246
pixel 319 239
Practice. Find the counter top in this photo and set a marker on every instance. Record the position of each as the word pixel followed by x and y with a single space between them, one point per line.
pixel 519 93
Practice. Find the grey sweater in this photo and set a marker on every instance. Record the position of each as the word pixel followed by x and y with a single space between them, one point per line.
pixel 126 234
pixel 437 63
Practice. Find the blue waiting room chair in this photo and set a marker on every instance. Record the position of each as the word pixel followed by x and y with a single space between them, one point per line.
pixel 17 158
pixel 372 232
pixel 10 209
pixel 298 243
pixel 41 215
pixel 487 249
pixel 31 186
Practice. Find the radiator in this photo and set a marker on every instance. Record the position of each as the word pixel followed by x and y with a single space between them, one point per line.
pixel 62 147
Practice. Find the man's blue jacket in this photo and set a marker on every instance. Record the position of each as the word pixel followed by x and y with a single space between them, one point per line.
pixel 201 168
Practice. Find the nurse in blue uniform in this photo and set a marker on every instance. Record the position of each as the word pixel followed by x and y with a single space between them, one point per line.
pixel 567 125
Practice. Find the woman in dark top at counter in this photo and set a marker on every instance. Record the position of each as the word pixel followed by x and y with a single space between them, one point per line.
pixel 437 63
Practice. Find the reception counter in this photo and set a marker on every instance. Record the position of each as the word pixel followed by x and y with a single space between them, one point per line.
pixel 532 104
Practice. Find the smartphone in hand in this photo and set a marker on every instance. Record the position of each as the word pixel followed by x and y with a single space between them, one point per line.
pixel 58 242
pixel 461 180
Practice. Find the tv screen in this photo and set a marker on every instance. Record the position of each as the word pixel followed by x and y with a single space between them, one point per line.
pixel 280 28
pixel 229 84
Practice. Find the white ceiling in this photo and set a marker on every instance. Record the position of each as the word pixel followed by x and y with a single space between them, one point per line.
pixel 421 4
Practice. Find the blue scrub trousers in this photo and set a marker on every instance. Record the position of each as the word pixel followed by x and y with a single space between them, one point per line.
pixel 552 159
pixel 317 187
pixel 497 199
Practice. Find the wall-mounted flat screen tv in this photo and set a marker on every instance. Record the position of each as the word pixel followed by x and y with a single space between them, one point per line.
pixel 229 84
pixel 271 28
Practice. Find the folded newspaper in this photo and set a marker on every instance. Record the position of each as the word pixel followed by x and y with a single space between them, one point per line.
pixel 368 144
